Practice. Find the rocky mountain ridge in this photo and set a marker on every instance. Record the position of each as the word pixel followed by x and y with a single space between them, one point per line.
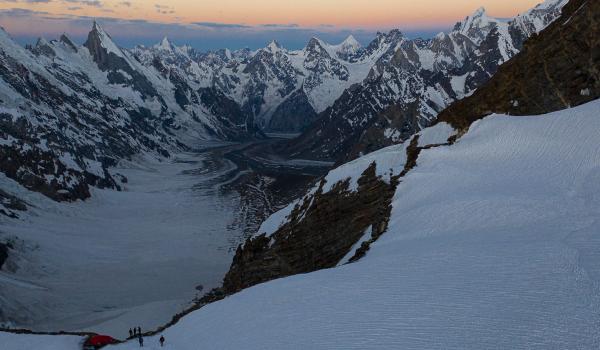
pixel 279 90
pixel 68 113
pixel 410 84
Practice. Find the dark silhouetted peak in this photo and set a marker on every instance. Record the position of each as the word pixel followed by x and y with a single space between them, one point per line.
pixel 100 44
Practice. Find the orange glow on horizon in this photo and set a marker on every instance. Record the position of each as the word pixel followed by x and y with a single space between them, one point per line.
pixel 305 13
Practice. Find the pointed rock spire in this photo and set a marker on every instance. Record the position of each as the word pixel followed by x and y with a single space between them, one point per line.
pixel 476 26
pixel 101 46
pixel 165 44
pixel 274 46
pixel 351 41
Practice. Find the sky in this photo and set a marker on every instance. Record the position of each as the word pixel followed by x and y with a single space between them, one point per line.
pixel 213 24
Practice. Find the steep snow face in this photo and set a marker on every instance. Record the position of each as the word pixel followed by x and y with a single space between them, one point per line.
pixel 491 245
pixel 350 46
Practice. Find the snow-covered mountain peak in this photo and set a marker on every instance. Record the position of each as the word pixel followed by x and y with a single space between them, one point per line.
pixel 44 47
pixel 97 28
pixel 478 19
pixel 165 45
pixel 349 46
pixel 480 12
pixel 351 41
pixel 41 41
pixel 316 46
pixel 476 26
pixel 274 46
pixel 228 54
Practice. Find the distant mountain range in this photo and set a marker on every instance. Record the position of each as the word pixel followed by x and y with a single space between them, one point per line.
pixel 68 112
pixel 414 80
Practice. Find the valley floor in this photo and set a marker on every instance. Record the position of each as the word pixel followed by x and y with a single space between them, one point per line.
pixel 127 258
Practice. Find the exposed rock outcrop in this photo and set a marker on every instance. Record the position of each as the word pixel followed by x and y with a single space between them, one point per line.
pixel 294 114
pixel 395 124
pixel 318 234
pixel 10 204
pixel 4 247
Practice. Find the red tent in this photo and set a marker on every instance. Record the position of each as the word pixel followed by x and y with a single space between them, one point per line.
pixel 98 341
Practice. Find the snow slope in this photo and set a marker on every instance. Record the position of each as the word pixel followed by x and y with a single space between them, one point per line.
pixel 492 244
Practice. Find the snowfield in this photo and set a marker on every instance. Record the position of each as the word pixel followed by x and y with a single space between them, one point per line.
pixel 493 244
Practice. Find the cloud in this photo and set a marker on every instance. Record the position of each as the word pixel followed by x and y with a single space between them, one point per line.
pixel 93 3
pixel 202 35
pixel 217 25
pixel 74 8
pixel 25 1
pixel 18 12
pixel 275 25
pixel 125 3
pixel 164 9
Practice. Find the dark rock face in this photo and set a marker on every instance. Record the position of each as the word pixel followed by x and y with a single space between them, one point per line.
pixel 294 115
pixel 319 233
pixel 228 112
pixel 556 69
pixel 394 124
pixel 11 202
pixel 67 184
pixel 10 205
pixel 268 65
pixel 3 254
pixel 113 63
pixel 318 62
